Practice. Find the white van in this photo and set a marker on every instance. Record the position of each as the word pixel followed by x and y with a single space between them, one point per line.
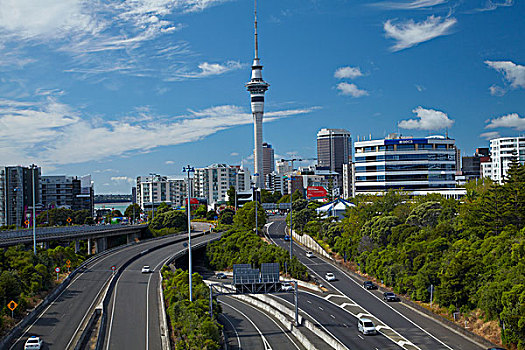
pixel 366 326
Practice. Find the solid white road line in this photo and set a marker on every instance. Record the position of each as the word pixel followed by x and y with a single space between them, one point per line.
pixel 265 342
pixel 406 318
pixel 96 262
pixel 233 327
pixel 147 298
pixel 271 319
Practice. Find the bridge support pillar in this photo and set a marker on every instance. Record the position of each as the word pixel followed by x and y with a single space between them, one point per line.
pixel 77 246
pixel 132 237
pixel 89 248
pixel 101 244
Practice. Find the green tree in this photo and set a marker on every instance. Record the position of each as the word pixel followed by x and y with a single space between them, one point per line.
pixel 245 216
pixel 231 196
pixel 133 211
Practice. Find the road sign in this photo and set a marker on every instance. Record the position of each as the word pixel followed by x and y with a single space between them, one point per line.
pixel 68 220
pixel 26 222
pixel 68 263
pixel 12 305
pixel 57 269
pixel 113 268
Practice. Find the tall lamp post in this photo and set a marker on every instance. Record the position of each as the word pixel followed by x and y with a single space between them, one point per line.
pixel 153 176
pixel 189 170
pixel 255 203
pixel 33 218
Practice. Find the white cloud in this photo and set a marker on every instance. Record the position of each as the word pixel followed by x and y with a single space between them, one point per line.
pixel 208 69
pixel 420 88
pixel 490 135
pixel 429 119
pixel 351 90
pixel 410 33
pixel 497 90
pixel 168 162
pixel 234 154
pixel 102 36
pixel 512 72
pixel 411 5
pixel 51 133
pixel 348 72
pixel 492 5
pixel 512 120
pixel 123 179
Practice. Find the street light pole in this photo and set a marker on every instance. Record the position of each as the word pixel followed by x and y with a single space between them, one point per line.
pixel 189 170
pixel 33 166
pixel 291 205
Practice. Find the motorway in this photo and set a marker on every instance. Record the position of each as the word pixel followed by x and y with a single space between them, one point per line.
pixel 58 324
pixel 249 328
pixel 134 316
pixel 411 326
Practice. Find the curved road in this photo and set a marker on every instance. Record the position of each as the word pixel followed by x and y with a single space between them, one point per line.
pixel 134 318
pixel 423 332
pixel 59 323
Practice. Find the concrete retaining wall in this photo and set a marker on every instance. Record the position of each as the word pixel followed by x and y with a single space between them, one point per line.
pixel 311 244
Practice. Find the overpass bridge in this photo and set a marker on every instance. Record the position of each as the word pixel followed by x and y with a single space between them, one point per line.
pixel 96 235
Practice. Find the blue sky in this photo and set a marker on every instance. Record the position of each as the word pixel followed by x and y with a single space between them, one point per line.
pixel 118 89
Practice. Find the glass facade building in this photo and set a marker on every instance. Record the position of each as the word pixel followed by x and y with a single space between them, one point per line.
pixel 405 163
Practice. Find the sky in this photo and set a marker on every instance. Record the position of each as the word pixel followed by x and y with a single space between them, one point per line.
pixel 119 89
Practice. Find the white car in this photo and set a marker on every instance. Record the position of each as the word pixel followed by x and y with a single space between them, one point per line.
pixel 146 269
pixel 287 287
pixel 366 326
pixel 329 276
pixel 309 254
pixel 33 343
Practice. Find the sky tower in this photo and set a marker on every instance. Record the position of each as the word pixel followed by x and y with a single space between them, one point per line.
pixel 257 87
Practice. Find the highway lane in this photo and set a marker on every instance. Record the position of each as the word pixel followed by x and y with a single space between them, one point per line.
pixel 250 328
pixel 59 322
pixel 422 331
pixel 134 316
pixel 337 322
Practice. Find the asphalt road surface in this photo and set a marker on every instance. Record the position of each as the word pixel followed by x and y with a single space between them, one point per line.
pixel 133 315
pixel 58 324
pixel 423 332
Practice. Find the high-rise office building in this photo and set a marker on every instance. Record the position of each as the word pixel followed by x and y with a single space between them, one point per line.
pixel 16 194
pixel 334 148
pixel 283 167
pixel 257 87
pixel 412 164
pixel 503 151
pixel 214 181
pixel 268 159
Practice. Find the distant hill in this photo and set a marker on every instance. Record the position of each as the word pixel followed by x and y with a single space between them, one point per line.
pixel 112 198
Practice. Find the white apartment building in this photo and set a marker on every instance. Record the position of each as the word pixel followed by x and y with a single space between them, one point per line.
pixel 214 181
pixel 502 152
pixel 153 190
pixel 412 164
pixel 486 169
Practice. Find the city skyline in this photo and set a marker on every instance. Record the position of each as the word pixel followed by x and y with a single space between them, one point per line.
pixel 131 88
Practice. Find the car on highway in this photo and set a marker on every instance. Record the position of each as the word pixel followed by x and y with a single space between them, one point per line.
pixel 329 276
pixel 221 276
pixel 366 326
pixel 286 237
pixel 389 296
pixel 369 285
pixel 33 343
pixel 146 269
pixel 309 254
pixel 287 287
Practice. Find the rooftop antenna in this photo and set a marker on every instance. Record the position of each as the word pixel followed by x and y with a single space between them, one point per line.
pixel 255 24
